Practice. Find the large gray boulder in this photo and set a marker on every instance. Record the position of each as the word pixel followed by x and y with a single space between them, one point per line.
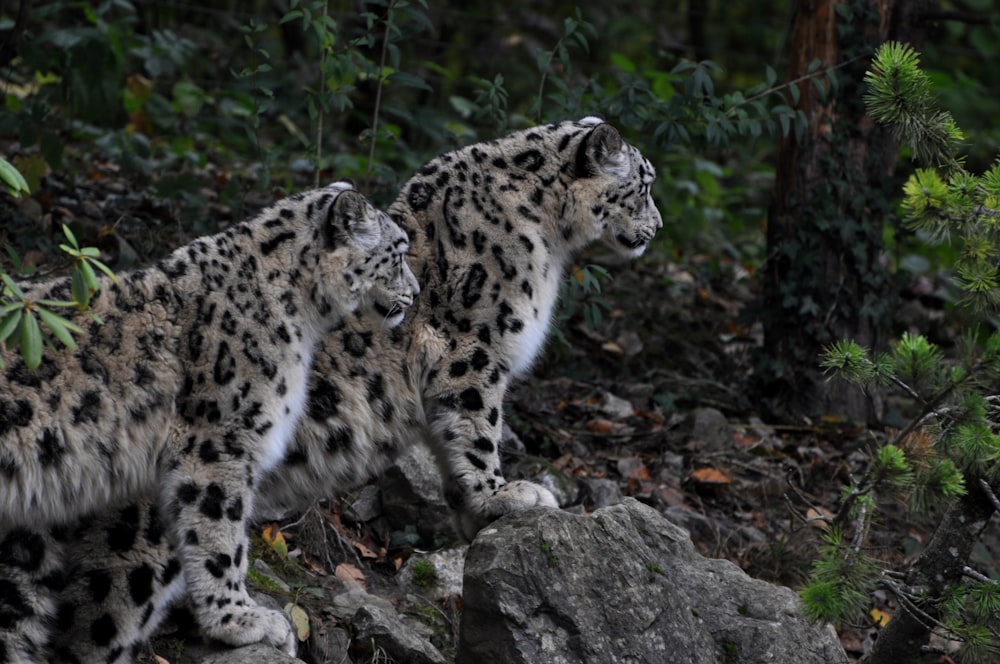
pixel 622 585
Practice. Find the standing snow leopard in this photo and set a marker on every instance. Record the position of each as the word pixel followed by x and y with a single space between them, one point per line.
pixel 189 391
pixel 493 227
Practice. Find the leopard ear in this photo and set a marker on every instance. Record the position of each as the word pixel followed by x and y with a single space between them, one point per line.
pixel 600 151
pixel 353 218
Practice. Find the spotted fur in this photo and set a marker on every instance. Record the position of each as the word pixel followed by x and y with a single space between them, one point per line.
pixel 493 227
pixel 188 392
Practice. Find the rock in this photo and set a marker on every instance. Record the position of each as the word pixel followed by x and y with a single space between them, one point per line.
pixel 695 523
pixel 448 566
pixel 345 604
pixel 622 585
pixel 386 631
pixel 327 643
pixel 597 492
pixel 708 429
pixel 614 407
pixel 367 504
pixel 411 496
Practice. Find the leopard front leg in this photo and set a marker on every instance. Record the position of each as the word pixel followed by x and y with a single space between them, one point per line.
pixel 465 425
pixel 210 505
pixel 31 571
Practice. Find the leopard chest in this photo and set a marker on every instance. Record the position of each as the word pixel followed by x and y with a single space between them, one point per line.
pixel 533 315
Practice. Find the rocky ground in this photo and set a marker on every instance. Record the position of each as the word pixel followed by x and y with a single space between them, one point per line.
pixel 649 403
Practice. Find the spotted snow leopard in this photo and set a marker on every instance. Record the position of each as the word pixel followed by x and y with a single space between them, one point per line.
pixel 187 393
pixel 493 227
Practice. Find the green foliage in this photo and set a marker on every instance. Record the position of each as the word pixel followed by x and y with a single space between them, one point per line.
pixel 951 443
pixel 945 203
pixel 899 96
pixel 842 579
pixel 27 325
pixel 424 574
pixel 12 180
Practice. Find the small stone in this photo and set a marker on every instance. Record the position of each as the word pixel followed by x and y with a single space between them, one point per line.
pixel 367 505
pixel 388 632
pixel 598 492
pixel 615 407
pixel 31 209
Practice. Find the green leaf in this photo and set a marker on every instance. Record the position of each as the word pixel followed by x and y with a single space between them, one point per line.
pixel 70 237
pixel 770 75
pixel 106 270
pixel 300 619
pixel 409 80
pixel 12 179
pixel 78 287
pixel 12 286
pixel 60 327
pixel 9 323
pixel 31 342
pixel 90 278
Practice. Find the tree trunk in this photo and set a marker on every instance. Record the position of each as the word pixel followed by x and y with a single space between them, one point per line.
pixel 833 194
pixel 938 567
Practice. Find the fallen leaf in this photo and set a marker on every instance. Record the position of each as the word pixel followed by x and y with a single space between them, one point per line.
pixel 881 618
pixel 612 347
pixel 365 551
pixel 710 475
pixel 350 574
pixel 272 535
pixel 744 439
pixel 300 619
pixel 161 660
pixel 601 425
pixel 562 462
pixel 315 568
pixel 815 517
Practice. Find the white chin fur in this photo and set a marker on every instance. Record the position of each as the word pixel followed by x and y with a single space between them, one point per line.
pixel 393 320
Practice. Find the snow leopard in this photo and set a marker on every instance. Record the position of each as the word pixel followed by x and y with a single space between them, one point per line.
pixel 185 386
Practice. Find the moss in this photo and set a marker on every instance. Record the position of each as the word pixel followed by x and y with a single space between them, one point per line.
pixel 425 575
pixel 655 569
pixel 551 557
pixel 263 582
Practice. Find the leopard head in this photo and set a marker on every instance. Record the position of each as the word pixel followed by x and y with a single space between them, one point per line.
pixel 611 193
pixel 375 248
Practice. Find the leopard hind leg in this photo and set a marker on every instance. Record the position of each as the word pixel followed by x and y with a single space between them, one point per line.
pixel 32 574
pixel 126 577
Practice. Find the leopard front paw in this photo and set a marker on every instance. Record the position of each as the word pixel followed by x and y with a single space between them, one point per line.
pixel 515 496
pixel 245 625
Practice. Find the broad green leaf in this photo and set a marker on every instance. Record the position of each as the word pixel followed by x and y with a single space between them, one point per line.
pixel 81 294
pixel 60 327
pixel 12 178
pixel 69 236
pixel 89 276
pixel 106 270
pixel 300 619
pixel 770 75
pixel 31 342
pixel 9 323
pixel 12 286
